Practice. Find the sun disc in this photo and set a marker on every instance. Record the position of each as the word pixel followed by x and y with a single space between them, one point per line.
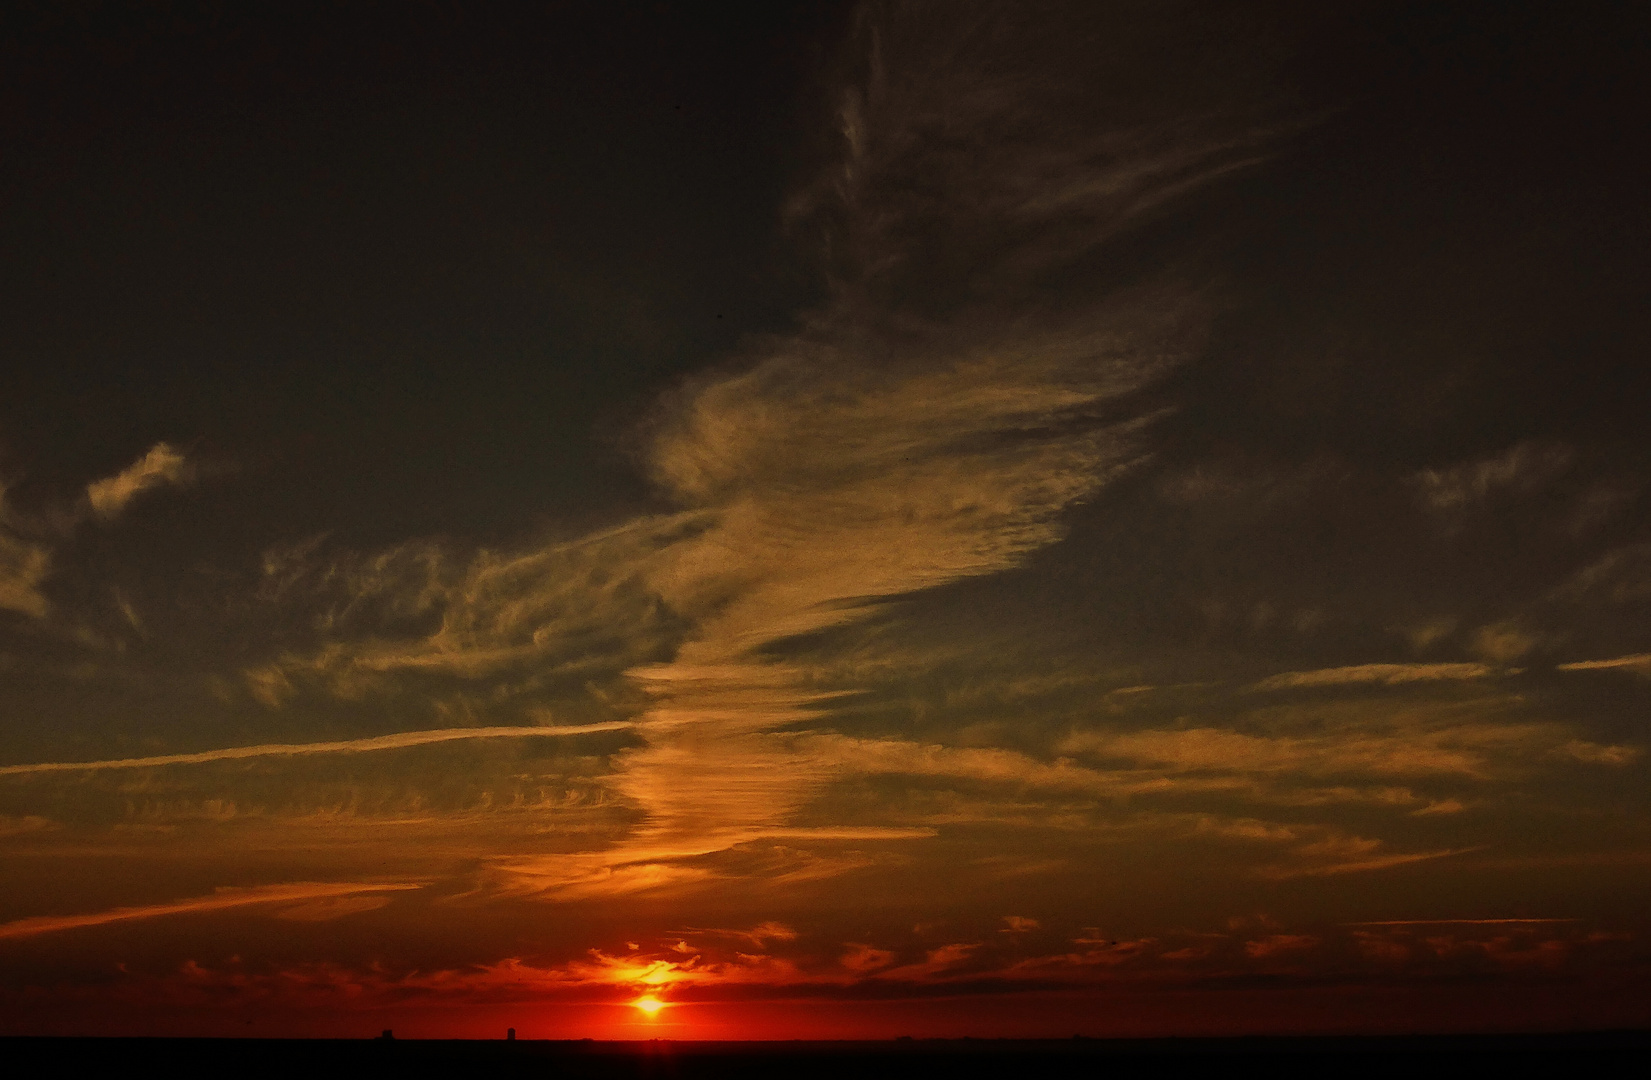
pixel 649 1005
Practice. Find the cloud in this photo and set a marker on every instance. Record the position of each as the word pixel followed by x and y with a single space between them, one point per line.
pixel 221 900
pixel 936 420
pixel 161 465
pixel 936 963
pixel 1314 960
pixel 863 959
pixel 400 741
pixel 580 607
pixel 986 764
pixel 1503 642
pixel 1596 754
pixel 1620 576
pixel 1459 750
pixel 1277 944
pixel 1459 922
pixel 758 936
pixel 25 825
pixel 23 567
pixel 889 446
pixel 1428 631
pixel 832 487
pixel 326 909
pixel 1637 662
pixel 1523 467
pixel 1386 674
pixel 25 563
pixel 1361 865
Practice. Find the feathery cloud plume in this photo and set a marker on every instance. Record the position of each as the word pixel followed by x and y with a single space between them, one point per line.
pixel 1524 467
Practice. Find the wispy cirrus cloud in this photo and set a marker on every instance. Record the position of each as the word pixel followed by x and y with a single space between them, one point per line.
pixel 1387 674
pixel 222 900
pixel 583 607
pixel 1462 922
pixel 1638 662
pixel 928 479
pixel 162 465
pixel 1523 467
pixel 23 568
pixel 1464 750
pixel 935 422
pixel 881 453
pixel 26 825
pixel 887 448
pixel 758 936
pixel 27 539
pixel 1359 864
pixel 400 741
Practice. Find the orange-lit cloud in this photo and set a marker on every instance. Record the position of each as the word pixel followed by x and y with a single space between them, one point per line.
pixel 1356 865
pixel 719 981
pixel 400 741
pixel 28 823
pixel 1523 467
pixel 1461 922
pixel 23 567
pixel 223 899
pixel 1636 662
pixel 1278 944
pixel 1390 674
pixel 161 465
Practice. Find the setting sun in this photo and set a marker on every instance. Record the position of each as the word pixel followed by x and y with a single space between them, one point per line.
pixel 649 1005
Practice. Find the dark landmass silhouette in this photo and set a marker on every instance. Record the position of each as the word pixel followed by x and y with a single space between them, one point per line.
pixel 1432 1055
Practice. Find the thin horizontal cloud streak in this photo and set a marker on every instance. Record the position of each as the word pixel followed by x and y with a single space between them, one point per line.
pixel 1359 865
pixel 1461 922
pixel 1637 662
pixel 400 741
pixel 1388 674
pixel 223 899
pixel 1464 750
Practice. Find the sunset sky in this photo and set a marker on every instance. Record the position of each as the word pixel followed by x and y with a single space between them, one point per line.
pixel 1122 518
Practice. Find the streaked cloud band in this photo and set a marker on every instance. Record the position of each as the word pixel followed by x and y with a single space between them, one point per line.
pixel 220 900
pixel 1373 673
pixel 398 741
pixel 1638 660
